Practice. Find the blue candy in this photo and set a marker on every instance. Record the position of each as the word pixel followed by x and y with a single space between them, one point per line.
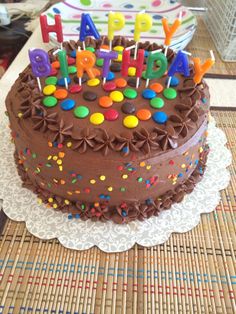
pixel 160 117
pixel 73 54
pixel 61 81
pixel 174 81
pixel 67 104
pixel 148 94
pixel 110 76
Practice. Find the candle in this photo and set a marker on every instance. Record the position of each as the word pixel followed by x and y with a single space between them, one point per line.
pixel 87 28
pixel 153 57
pixel 137 64
pixel 201 69
pixel 85 61
pixel 170 30
pixel 107 56
pixel 116 22
pixel 55 28
pixel 63 65
pixel 40 64
pixel 179 65
pixel 143 23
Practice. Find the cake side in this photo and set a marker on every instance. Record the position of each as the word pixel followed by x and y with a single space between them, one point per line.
pixel 109 172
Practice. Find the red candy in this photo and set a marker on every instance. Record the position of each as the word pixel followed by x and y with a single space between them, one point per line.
pixel 109 86
pixel 70 61
pixel 75 89
pixel 111 115
pixel 53 71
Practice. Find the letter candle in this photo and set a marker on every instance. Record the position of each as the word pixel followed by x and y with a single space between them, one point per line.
pixel 56 28
pixel 85 61
pixel 200 69
pixel 154 56
pixel 180 65
pixel 138 63
pixel 116 22
pixel 170 30
pixel 143 23
pixel 87 28
pixel 107 56
pixel 40 64
pixel 62 58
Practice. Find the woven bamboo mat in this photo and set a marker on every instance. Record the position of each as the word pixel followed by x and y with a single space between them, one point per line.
pixel 191 273
pixel 200 46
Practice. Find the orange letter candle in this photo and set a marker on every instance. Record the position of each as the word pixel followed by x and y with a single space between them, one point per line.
pixel 201 69
pixel 85 61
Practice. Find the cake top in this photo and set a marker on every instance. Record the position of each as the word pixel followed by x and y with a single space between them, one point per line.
pixel 115 116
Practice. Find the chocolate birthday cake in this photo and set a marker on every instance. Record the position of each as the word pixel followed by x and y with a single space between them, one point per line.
pixel 109 151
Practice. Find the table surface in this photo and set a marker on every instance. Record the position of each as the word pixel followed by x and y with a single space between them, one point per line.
pixel 192 272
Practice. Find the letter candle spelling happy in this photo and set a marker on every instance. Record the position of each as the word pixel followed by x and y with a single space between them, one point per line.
pixel 170 30
pixel 116 22
pixel 143 23
pixel 56 28
pixel 87 28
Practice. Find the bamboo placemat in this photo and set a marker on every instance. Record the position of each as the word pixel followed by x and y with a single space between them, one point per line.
pixel 200 46
pixel 191 273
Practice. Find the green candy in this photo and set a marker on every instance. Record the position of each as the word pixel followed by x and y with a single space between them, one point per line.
pixel 157 102
pixel 51 80
pixel 49 101
pixel 90 48
pixel 144 75
pixel 99 62
pixel 81 112
pixel 130 93
pixel 72 69
pixel 170 93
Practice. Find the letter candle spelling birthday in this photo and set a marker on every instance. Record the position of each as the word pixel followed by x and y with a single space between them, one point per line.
pixel 200 69
pixel 116 22
pixel 137 64
pixel 143 23
pixel 40 64
pixel 107 56
pixel 155 55
pixel 85 61
pixel 179 65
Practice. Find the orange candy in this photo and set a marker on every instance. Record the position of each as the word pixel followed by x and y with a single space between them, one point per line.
pixel 55 65
pixel 144 114
pixel 120 82
pixel 61 93
pixel 157 87
pixel 105 101
pixel 105 47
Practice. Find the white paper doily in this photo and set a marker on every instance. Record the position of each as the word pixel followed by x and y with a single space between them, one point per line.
pixel 21 204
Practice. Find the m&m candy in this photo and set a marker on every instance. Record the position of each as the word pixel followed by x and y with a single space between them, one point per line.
pixel 97 118
pixel 130 122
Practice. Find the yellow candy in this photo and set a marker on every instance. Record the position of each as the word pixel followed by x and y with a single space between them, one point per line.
pixel 131 71
pixel 102 178
pixel 118 48
pixel 93 82
pixel 119 58
pixel 130 122
pixel 49 89
pixel 116 96
pixel 92 181
pixel 110 188
pixel 97 118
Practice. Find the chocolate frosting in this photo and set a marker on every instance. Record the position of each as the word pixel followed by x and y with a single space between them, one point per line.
pixel 109 172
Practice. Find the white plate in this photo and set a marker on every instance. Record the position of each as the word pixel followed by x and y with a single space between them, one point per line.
pixel 71 10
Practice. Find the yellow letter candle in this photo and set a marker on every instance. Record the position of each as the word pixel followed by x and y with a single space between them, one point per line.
pixel 116 22
pixel 143 23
